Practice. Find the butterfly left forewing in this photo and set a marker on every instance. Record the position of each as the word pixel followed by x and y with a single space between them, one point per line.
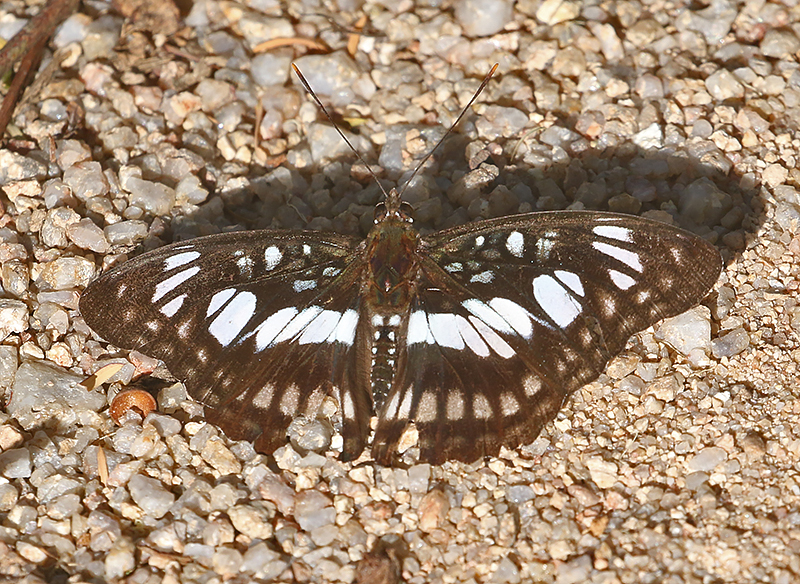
pixel 259 325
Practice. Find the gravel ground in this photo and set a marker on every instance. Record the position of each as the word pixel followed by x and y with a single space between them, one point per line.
pixel 680 464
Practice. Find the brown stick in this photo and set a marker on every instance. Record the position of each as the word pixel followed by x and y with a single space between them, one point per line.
pixel 27 44
pixel 41 25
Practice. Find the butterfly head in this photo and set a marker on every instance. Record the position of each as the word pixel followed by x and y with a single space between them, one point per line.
pixel 393 208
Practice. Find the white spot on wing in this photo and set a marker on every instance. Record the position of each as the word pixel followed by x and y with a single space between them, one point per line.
pixel 218 299
pixel 485 277
pixel 532 385
pixel 492 339
pixel 345 331
pixel 621 281
pixel 263 397
pixel 405 406
pixel 444 329
pixel 454 408
pixel 297 324
pixel 306 249
pixel 627 257
pixel 426 409
pixel 166 286
pixel 513 314
pixel 319 329
pixel 417 328
pixel 557 303
pixel 487 315
pixel 272 326
pixel 508 404
pixel 613 232
pixel 515 244
pixel 481 407
pixel 454 267
pixel 331 272
pixel 289 400
pixel 233 318
pixel 479 241
pixel 245 265
pixel 391 408
pixel 348 408
pixel 301 285
pixel 272 257
pixel 180 259
pixel 571 281
pixel 171 307
pixel 394 320
pixel 471 337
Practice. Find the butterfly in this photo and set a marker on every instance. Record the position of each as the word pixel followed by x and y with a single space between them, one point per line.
pixel 473 335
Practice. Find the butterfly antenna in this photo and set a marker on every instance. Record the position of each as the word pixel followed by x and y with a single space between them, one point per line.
pixel 336 126
pixel 453 125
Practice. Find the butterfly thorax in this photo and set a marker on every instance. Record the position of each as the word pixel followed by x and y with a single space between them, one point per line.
pixel 388 287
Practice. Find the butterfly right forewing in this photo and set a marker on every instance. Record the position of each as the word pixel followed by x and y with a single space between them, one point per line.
pixel 514 314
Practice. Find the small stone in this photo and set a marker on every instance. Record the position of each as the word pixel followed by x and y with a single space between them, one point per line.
pixel 150 495
pixel 723 85
pixel 313 510
pixel 85 234
pixel 120 559
pixel 220 457
pixel 779 43
pixel 418 477
pixel 774 175
pixel 507 572
pixel 126 232
pixel 250 521
pixel 42 392
pixel 707 459
pixel 575 571
pixel 16 463
pixel 730 344
pixel 552 12
pixel 483 17
pixel 66 272
pixel 433 509
pixel 498 121
pixel 271 68
pixel 688 331
pixel 603 472
pixel 154 198
pixel 13 317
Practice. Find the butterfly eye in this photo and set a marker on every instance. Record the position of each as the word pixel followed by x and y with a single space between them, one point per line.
pixel 380 212
pixel 406 212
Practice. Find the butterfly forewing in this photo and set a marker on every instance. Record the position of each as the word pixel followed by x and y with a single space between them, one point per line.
pixel 260 325
pixel 514 314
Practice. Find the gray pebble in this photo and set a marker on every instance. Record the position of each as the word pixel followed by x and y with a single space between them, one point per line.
pixel 150 495
pixel 688 331
pixel 483 17
pixel 126 232
pixel 16 463
pixel 13 317
pixel 313 510
pixel 730 344
pixel 707 459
